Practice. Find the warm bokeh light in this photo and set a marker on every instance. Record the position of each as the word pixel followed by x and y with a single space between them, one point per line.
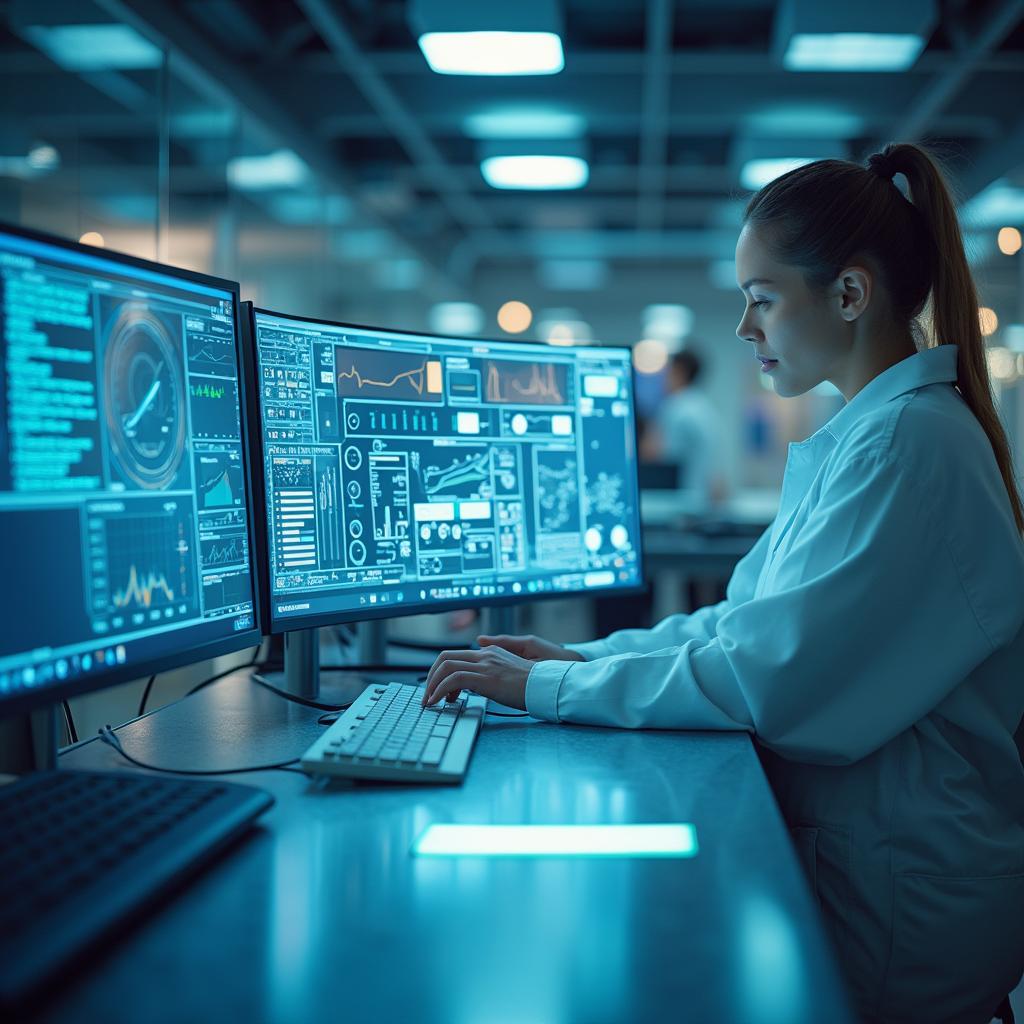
pixel 1009 241
pixel 514 317
pixel 988 319
pixel 560 334
pixel 650 356
pixel 92 238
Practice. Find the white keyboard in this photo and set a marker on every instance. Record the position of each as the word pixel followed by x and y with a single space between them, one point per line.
pixel 387 734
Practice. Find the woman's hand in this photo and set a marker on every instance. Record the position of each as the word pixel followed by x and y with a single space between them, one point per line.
pixel 533 648
pixel 499 670
pixel 492 672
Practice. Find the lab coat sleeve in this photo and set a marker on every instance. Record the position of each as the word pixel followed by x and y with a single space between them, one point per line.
pixel 862 626
pixel 675 630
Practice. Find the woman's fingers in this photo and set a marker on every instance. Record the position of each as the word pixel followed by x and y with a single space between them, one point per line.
pixel 442 669
pixel 453 683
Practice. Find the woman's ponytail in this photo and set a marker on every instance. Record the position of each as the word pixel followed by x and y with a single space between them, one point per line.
pixel 954 301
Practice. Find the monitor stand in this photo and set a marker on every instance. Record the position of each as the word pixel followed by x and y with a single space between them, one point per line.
pixel 303 676
pixel 502 619
pixel 29 742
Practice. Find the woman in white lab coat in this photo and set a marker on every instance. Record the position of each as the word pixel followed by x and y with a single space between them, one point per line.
pixel 872 639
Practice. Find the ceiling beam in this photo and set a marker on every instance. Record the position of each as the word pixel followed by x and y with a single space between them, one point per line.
pixel 207 70
pixel 724 63
pixel 654 114
pixel 464 209
pixel 935 97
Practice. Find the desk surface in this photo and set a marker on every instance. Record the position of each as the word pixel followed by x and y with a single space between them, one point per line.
pixel 321 913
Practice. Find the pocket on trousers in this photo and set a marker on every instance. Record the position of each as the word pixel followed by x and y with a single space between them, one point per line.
pixel 958 946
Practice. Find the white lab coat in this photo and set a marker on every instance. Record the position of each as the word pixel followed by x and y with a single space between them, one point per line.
pixel 872 643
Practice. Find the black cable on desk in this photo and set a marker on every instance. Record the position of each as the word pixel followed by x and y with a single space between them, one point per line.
pixel 226 672
pixel 145 695
pixel 509 714
pixel 72 731
pixel 108 736
pixel 294 698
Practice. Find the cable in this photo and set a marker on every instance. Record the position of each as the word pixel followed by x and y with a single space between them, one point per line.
pixel 226 672
pixel 72 731
pixel 294 698
pixel 108 736
pixel 145 695
pixel 509 714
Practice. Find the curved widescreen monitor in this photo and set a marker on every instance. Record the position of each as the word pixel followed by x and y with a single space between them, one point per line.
pixel 125 522
pixel 405 473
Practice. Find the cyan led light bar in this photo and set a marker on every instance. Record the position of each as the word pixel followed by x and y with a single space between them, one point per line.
pixel 676 840
pixel 852 51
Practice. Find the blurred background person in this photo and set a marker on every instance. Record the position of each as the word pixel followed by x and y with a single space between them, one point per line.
pixel 684 434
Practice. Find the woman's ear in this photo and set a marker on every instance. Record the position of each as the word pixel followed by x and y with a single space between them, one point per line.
pixel 852 290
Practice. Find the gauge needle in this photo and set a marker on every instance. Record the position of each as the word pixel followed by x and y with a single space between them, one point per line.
pixel 146 402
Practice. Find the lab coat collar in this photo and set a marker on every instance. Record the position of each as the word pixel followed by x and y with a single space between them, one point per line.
pixel 930 366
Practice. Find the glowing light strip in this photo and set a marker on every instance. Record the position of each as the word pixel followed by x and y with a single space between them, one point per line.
pixel 675 840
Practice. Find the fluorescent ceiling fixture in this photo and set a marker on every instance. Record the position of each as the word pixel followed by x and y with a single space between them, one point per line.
pixel 524 124
pixel 94 47
pixel 280 169
pixel 493 53
pixel 806 121
pixel 998 204
pixel 535 172
pixel 852 51
pixel 756 174
pixel 557 841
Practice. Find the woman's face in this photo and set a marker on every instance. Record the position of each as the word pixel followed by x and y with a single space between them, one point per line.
pixel 796 332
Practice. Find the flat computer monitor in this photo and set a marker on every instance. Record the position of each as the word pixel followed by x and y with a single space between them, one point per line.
pixel 405 472
pixel 125 517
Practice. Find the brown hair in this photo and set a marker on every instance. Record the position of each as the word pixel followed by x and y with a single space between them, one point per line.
pixel 820 216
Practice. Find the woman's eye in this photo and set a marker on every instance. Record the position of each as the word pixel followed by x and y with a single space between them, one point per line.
pixel 760 302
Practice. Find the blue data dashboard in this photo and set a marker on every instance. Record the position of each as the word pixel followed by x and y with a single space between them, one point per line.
pixel 124 527
pixel 407 470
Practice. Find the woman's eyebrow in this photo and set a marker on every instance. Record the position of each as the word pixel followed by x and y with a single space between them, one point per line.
pixel 755 280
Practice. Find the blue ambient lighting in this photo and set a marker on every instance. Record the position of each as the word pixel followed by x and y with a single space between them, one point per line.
pixel 524 123
pixel 679 840
pixel 852 51
pixel 535 172
pixel 493 53
pixel 95 47
pixel 756 174
pixel 280 169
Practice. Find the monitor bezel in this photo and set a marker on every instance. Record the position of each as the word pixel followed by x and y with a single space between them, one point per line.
pixel 27 700
pixel 314 621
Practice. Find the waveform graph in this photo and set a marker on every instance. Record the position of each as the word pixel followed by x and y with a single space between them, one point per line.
pixel 385 374
pixel 460 472
pixel 142 561
pixel 222 549
pixel 516 382
pixel 219 482
pixel 143 395
pixel 212 354
pixel 215 411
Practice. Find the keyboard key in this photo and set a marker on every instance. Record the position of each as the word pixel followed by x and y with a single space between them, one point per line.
pixel 433 751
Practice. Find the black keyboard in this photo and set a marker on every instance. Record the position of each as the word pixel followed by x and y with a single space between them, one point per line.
pixel 82 851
